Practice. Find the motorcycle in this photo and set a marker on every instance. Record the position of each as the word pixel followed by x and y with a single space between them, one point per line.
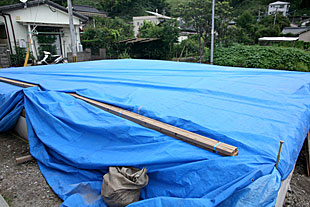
pixel 48 59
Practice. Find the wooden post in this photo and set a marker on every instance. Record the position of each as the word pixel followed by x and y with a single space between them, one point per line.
pixel 279 153
pixel 23 159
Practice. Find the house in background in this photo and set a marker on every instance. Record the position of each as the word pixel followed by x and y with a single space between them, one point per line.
pixel 39 18
pixel 302 32
pixel 155 19
pixel 279 7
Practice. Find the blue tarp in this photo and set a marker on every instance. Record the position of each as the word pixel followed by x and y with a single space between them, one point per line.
pixel 75 143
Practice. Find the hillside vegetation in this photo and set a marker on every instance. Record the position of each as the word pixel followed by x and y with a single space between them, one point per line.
pixel 281 58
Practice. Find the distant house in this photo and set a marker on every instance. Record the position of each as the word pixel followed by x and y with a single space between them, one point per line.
pixel 302 32
pixel 155 19
pixel 279 7
pixel 39 18
pixel 89 11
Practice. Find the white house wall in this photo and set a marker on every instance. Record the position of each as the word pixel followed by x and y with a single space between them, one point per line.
pixel 43 14
pixel 138 22
pixel 40 15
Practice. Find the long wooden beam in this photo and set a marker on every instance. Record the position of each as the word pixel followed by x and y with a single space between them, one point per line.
pixel 172 131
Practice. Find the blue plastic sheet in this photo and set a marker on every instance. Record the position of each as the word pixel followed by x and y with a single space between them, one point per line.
pixel 252 109
pixel 11 105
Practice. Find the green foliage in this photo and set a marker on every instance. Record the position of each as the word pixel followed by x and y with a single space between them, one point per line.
pixel 250 30
pixel 187 48
pixel 263 57
pixel 174 4
pixel 129 8
pixel 246 21
pixel 168 33
pixel 198 13
pixel 8 2
pixel 46 42
pixel 105 34
pixel 124 29
pixel 102 37
pixel 19 57
pixel 124 55
pixel 281 21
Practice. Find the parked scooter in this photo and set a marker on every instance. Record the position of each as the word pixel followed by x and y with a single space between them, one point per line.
pixel 51 59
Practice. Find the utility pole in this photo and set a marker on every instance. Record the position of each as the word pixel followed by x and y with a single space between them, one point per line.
pixel 212 32
pixel 72 32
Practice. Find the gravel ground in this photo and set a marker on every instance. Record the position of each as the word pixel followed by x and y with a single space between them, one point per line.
pixel 24 186
pixel 299 192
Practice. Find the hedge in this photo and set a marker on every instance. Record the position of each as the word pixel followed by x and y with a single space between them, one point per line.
pixel 269 57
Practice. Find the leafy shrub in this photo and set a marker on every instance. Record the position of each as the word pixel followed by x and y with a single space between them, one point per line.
pixel 263 57
pixel 103 37
pixel 167 32
pixel 19 57
pixel 124 55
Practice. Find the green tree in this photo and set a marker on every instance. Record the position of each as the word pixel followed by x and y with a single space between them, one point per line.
pixel 105 33
pixel 103 37
pixel 198 13
pixel 129 8
pixel 246 20
pixel 167 32
pixel 124 29
pixel 281 21
pixel 8 2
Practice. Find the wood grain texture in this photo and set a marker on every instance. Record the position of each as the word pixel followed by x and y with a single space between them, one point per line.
pixel 172 131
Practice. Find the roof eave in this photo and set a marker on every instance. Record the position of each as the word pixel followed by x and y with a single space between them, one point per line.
pixel 37 3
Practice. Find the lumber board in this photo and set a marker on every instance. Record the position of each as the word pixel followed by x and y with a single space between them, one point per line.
pixel 17 83
pixel 23 159
pixel 172 131
pixel 178 133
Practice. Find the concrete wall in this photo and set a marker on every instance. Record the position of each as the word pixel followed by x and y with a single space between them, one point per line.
pixel 41 15
pixel 4 57
pixel 87 56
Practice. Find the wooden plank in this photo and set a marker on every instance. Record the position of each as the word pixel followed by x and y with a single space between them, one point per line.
pixel 178 133
pixel 23 159
pixel 17 83
pixel 175 132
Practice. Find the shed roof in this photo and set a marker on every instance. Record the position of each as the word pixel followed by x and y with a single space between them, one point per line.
pixel 83 8
pixel 278 38
pixel 295 30
pixel 37 3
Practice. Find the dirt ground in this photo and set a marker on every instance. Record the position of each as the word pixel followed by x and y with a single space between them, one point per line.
pixel 24 186
pixel 299 192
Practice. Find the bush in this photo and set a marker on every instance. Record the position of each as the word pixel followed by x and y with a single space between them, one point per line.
pixel 124 55
pixel 103 37
pixel 268 57
pixel 18 59
pixel 167 32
